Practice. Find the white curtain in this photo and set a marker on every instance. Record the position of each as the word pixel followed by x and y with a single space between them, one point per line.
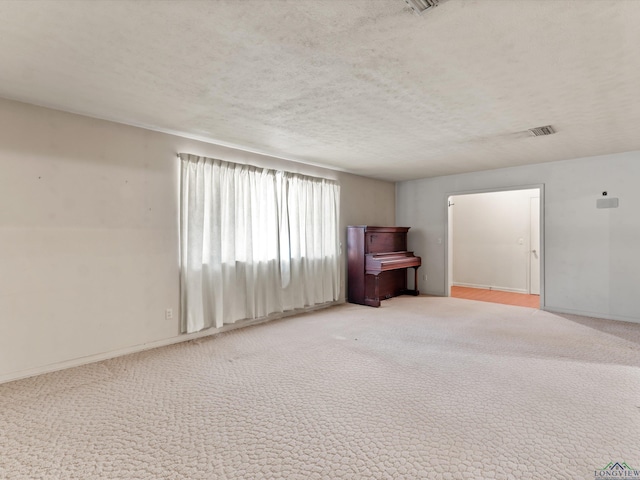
pixel 254 242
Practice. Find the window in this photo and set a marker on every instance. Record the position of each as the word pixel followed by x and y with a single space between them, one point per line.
pixel 254 241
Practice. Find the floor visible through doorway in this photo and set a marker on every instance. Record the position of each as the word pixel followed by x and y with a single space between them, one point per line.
pixel 496 296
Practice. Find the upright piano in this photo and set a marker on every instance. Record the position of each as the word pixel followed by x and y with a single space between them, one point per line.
pixel 377 264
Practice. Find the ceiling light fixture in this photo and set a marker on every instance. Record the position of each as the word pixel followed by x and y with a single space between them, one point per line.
pixel 420 6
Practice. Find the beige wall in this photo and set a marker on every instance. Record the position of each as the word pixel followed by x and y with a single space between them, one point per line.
pixel 89 234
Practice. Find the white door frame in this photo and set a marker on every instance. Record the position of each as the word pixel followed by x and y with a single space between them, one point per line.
pixel 533 242
pixel 447 253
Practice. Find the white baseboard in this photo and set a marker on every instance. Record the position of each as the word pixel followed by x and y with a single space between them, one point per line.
pixel 99 357
pixel 606 316
pixel 552 309
pixel 491 287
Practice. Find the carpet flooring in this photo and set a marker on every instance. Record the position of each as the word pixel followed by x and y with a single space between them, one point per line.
pixel 423 387
pixel 496 296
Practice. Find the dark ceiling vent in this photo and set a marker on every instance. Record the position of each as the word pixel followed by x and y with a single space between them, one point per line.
pixel 540 131
pixel 420 6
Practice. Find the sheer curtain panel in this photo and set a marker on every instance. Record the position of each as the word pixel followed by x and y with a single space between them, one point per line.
pixel 254 241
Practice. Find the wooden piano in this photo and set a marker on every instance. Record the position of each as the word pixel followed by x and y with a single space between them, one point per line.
pixel 377 264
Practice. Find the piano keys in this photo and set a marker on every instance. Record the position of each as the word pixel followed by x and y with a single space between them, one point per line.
pixel 377 264
pixel 381 262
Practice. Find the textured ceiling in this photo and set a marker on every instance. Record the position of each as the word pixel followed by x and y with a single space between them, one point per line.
pixel 359 85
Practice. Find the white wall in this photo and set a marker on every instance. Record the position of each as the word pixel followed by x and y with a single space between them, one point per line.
pixel 592 261
pixel 89 233
pixel 491 239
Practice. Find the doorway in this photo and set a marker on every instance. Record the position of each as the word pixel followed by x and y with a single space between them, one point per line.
pixel 494 247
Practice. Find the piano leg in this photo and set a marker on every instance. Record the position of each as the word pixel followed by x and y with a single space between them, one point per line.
pixel 415 290
pixel 375 301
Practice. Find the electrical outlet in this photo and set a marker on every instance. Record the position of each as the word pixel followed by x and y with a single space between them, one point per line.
pixel 424 277
pixel 168 314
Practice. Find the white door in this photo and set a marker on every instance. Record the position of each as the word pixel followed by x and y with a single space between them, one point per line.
pixel 534 252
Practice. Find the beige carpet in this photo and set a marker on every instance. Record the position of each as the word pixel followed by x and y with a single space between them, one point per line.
pixel 422 387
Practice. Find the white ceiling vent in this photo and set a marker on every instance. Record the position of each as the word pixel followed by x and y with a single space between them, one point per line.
pixel 420 6
pixel 540 131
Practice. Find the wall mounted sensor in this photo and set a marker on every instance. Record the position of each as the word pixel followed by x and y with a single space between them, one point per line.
pixel 611 202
